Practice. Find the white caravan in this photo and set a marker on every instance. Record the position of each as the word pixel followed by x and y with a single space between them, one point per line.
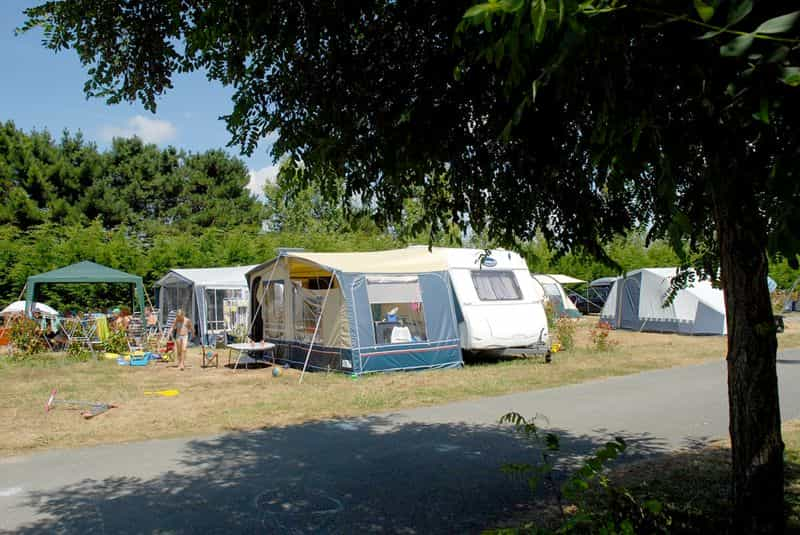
pixel 499 307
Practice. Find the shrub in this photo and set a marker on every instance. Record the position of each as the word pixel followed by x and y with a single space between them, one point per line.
pixel 117 341
pixel 550 314
pixel 77 352
pixel 601 337
pixel 565 331
pixel 26 337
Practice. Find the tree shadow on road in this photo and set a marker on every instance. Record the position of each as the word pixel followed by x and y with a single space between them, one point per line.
pixel 344 476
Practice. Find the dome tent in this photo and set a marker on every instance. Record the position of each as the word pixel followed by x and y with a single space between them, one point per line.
pixel 636 302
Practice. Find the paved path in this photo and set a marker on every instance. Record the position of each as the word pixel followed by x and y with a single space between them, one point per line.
pixel 431 470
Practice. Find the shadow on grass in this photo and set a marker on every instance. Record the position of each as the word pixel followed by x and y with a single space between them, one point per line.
pixel 694 486
pixel 368 475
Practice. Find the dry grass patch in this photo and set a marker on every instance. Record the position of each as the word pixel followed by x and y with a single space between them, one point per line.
pixel 217 400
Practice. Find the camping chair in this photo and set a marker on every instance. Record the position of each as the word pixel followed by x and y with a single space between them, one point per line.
pixel 168 327
pixel 163 344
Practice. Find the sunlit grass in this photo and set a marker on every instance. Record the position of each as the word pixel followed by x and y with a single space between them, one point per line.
pixel 217 400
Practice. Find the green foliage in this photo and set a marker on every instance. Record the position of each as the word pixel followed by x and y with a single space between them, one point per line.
pixel 601 337
pixel 550 315
pixel 565 332
pixel 77 352
pixel 146 210
pixel 619 512
pixel 26 337
pixel 117 341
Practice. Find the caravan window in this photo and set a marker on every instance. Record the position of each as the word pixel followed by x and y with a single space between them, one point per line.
pixel 496 285
pixel 397 312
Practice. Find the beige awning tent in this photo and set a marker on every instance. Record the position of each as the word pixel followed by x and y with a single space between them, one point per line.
pixel 341 311
pixel 410 260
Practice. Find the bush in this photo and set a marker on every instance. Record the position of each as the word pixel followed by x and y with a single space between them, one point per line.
pixel 26 337
pixel 117 341
pixel 601 337
pixel 565 331
pixel 550 314
pixel 77 352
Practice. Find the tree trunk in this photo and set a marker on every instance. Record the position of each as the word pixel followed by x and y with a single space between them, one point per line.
pixel 755 423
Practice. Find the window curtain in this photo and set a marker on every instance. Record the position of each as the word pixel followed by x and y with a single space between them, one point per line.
pixel 496 285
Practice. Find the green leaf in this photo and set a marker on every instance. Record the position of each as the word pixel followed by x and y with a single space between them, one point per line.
pixel 513 6
pixel 763 112
pixel 711 34
pixel 779 24
pixel 654 506
pixel 478 10
pixel 791 76
pixel 738 46
pixel 739 11
pixel 778 55
pixel 541 19
pixel 704 10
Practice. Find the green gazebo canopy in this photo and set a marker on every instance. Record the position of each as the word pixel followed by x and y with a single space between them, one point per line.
pixel 84 273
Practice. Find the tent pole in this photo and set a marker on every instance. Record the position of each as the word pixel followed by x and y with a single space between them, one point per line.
pixel 316 328
pixel 787 307
pixel 620 292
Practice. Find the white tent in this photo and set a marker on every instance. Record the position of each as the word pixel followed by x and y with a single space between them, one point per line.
pixel 564 279
pixel 18 307
pixel 636 302
pixel 554 291
pixel 215 298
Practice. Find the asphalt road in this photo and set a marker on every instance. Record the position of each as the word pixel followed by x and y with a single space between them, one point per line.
pixel 431 470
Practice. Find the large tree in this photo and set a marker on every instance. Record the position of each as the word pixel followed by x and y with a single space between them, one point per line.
pixel 575 119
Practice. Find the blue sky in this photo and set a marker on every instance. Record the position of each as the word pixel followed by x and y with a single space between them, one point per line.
pixel 43 90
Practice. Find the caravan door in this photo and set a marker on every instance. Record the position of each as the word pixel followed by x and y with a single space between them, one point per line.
pixel 500 309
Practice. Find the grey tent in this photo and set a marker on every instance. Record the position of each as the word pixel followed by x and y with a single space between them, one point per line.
pixel 637 302
pixel 215 298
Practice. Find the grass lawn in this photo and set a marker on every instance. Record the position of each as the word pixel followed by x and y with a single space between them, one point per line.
pixel 216 400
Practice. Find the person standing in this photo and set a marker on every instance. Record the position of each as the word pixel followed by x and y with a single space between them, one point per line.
pixel 182 328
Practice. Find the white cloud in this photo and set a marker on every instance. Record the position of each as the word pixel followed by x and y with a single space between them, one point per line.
pixel 259 177
pixel 147 129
